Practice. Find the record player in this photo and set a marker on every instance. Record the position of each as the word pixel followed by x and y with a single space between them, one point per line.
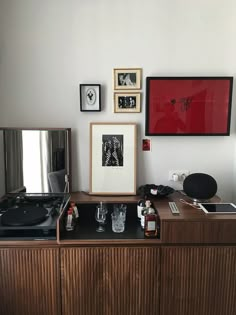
pixel 25 216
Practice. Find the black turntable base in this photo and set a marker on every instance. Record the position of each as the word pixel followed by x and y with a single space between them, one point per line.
pixel 24 216
pixel 31 216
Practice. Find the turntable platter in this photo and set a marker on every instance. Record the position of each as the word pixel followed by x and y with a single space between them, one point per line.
pixel 24 216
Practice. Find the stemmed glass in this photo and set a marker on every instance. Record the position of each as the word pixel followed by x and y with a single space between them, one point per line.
pixel 100 217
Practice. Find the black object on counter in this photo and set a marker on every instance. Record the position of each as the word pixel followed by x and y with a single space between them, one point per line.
pixel 152 191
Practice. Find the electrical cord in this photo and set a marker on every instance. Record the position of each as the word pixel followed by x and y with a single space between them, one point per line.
pixel 196 206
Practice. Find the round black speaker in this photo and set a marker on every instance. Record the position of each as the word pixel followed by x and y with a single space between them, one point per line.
pixel 200 186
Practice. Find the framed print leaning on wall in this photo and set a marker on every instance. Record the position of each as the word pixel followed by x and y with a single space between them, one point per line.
pixel 113 158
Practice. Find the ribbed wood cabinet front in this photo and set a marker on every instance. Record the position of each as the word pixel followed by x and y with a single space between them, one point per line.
pixel 110 281
pixel 29 281
pixel 198 280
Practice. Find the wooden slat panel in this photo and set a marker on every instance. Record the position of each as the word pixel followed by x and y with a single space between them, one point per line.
pixel 105 281
pixel 198 280
pixel 29 281
pixel 201 232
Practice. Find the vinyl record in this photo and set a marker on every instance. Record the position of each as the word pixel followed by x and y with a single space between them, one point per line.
pixel 24 216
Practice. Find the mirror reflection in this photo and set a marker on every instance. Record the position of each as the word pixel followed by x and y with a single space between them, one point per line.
pixel 35 161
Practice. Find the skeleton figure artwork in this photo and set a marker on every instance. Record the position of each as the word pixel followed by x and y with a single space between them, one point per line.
pixel 91 96
pixel 112 150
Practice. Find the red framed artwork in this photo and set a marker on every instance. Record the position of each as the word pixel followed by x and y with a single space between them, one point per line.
pixel 191 106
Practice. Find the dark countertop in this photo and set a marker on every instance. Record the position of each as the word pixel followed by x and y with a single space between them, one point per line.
pixel 86 227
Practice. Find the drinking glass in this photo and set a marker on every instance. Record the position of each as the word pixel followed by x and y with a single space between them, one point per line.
pixel 118 218
pixel 100 217
pixel 120 210
pixel 118 223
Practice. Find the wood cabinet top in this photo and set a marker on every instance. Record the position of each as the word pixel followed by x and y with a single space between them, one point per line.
pixel 83 197
pixel 186 211
pixel 190 226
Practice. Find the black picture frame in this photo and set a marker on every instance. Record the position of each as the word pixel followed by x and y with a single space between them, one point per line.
pixel 188 106
pixel 90 97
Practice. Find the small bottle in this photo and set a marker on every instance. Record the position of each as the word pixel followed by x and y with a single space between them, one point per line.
pixel 75 210
pixel 140 207
pixel 70 220
pixel 150 221
pixel 144 212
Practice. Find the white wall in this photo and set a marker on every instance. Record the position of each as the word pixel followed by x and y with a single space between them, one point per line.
pixel 47 48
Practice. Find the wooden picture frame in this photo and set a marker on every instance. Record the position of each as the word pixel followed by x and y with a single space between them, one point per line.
pixel 127 102
pixel 188 106
pixel 113 149
pixel 90 97
pixel 127 78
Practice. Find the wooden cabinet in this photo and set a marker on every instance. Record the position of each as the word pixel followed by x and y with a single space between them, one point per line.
pixel 199 232
pixel 29 281
pixel 110 280
pixel 191 270
pixel 127 280
pixel 198 280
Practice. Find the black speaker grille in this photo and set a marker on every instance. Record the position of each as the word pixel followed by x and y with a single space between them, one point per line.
pixel 200 186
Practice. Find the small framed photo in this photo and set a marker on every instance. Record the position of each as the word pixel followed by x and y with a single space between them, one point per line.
pixel 127 79
pixel 127 102
pixel 90 97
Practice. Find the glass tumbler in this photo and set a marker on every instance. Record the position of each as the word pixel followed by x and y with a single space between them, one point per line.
pixel 118 223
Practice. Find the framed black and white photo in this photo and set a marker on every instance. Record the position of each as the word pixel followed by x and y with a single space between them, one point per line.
pixel 127 102
pixel 90 97
pixel 127 79
pixel 113 158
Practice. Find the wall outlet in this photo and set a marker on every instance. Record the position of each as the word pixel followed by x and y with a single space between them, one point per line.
pixel 178 175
